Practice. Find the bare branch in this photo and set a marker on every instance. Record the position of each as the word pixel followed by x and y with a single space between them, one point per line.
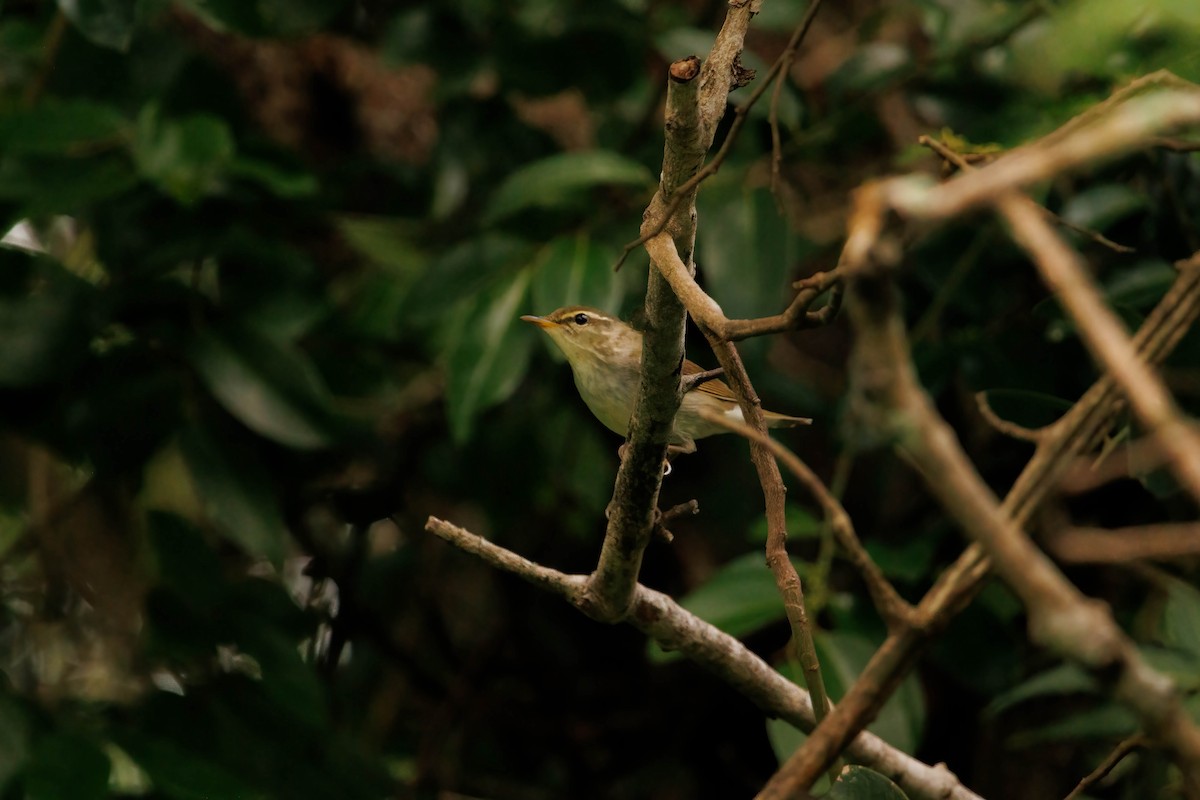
pixel 964 164
pixel 1123 748
pixel 1004 426
pixel 892 607
pixel 694 112
pixel 674 200
pixel 660 618
pixel 711 318
pixel 1078 431
pixel 1103 333
pixel 1124 545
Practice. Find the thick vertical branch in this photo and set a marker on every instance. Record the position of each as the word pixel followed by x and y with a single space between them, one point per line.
pixel 693 114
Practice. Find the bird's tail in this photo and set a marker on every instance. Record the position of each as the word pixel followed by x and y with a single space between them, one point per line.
pixel 775 420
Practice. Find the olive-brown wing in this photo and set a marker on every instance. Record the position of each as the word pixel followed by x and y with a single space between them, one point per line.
pixel 716 387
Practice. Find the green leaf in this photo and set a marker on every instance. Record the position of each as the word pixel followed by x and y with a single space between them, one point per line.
pixel 739 599
pixel 843 657
pixel 43 328
pixel 236 492
pixel 857 782
pixel 14 738
pixel 1109 721
pixel 108 23
pixel 574 270
pixel 187 158
pixel 287 680
pixel 1065 679
pixel 184 561
pixel 266 17
pixel 1140 285
pixel 269 386
pixel 61 127
pixel 182 774
pixel 1100 206
pixel 275 179
pixel 486 352
pixel 558 179
pixel 1181 617
pixel 66 767
pixel 746 253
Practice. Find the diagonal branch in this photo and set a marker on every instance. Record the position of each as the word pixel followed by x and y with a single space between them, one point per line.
pixel 1064 272
pixel 663 620
pixel 1079 431
pixel 1061 618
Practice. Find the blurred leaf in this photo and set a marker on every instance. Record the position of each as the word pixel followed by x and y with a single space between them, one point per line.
pixel 269 386
pixel 184 561
pixel 574 270
pixel 66 767
pixel 108 23
pixel 1098 207
pixel 465 269
pixel 43 323
pixel 1181 667
pixel 1061 680
pixel 739 598
pixel 14 737
pixel 1140 285
pixel 909 559
pixel 61 127
pixel 64 185
pixel 745 252
pixel 862 783
pixel 871 66
pixel 181 773
pixel 236 491
pixel 286 679
pixel 1109 38
pixel 556 179
pixel 486 352
pixel 1181 617
pixel 266 17
pixel 1108 721
pixel 187 158
pixel 276 179
pixel 1025 408
pixel 843 657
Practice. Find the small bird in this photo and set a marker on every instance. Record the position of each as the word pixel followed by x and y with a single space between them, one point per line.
pixel 605 355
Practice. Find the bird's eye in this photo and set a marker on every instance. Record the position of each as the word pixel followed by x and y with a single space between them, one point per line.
pixel 581 319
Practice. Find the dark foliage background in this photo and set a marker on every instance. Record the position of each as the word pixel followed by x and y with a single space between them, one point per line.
pixel 264 292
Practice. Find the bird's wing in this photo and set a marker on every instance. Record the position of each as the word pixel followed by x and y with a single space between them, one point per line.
pixel 716 387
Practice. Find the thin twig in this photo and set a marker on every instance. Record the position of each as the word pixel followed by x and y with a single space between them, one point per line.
pixel 1104 334
pixel 1076 432
pixel 677 197
pixel 889 399
pixel 964 164
pixel 892 607
pixel 787 580
pixel 1005 426
pixel 1123 748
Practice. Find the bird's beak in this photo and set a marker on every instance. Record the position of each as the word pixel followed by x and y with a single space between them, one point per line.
pixel 541 322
